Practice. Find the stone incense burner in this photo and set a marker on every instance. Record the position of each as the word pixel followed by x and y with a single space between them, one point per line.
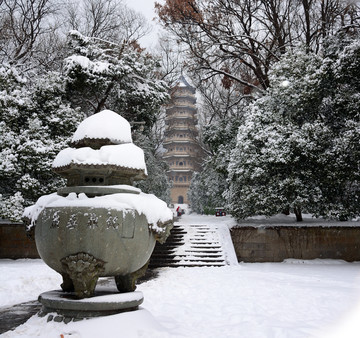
pixel 99 224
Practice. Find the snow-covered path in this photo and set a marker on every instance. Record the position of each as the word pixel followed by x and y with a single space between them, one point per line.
pixel 319 298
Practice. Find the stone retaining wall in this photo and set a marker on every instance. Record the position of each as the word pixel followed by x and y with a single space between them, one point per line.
pixel 14 243
pixel 276 243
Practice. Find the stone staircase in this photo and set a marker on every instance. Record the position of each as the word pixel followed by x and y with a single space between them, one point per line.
pixel 189 245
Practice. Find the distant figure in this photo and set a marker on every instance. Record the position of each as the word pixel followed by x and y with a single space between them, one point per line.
pixel 178 211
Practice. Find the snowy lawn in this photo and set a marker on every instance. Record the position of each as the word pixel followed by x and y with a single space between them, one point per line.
pixel 22 280
pixel 318 298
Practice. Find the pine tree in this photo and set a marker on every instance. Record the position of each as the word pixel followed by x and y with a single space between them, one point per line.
pixel 206 190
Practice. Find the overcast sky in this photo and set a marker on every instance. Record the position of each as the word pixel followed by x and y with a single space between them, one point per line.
pixel 146 7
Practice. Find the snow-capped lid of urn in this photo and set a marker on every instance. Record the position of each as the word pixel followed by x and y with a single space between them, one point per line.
pixel 102 153
pixel 121 155
pixel 103 128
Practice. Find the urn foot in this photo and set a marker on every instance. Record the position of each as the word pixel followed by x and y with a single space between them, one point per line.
pixel 67 284
pixel 83 270
pixel 126 283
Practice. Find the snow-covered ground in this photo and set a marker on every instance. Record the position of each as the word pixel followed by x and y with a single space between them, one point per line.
pixel 319 298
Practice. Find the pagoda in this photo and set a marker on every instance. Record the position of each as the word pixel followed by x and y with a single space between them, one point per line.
pixel 183 153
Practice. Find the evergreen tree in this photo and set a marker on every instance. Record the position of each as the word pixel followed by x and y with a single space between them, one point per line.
pixel 206 190
pixel 208 186
pixel 35 125
pixel 299 146
pixel 157 182
pixel 123 78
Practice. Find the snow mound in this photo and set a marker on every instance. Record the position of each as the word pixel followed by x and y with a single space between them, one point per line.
pixel 104 125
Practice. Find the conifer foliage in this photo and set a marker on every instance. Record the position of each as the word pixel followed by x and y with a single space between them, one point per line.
pixel 299 148
pixel 37 118
pixel 120 77
pixel 34 125
pixel 208 186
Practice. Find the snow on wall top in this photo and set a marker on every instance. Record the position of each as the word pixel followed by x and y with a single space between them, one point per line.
pixel 124 155
pixel 105 124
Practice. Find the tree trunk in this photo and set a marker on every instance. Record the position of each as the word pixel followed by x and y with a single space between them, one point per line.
pixel 297 211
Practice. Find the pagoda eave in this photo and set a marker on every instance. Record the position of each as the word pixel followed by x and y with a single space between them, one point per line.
pixel 178 156
pixel 180 170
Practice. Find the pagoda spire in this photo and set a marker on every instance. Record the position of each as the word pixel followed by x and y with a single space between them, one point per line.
pixel 182 149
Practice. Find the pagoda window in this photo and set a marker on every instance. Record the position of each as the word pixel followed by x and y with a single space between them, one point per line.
pixel 184 178
pixel 180 179
pixel 181 149
pixel 176 178
pixel 180 163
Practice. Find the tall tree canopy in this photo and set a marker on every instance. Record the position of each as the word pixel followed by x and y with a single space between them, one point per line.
pixel 35 125
pixel 299 148
pixel 38 114
pixel 241 39
pixel 120 77
pixel 232 50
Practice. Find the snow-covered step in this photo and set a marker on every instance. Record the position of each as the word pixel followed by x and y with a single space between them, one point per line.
pixel 190 245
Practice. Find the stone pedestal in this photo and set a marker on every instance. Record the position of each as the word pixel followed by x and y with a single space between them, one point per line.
pixel 65 306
